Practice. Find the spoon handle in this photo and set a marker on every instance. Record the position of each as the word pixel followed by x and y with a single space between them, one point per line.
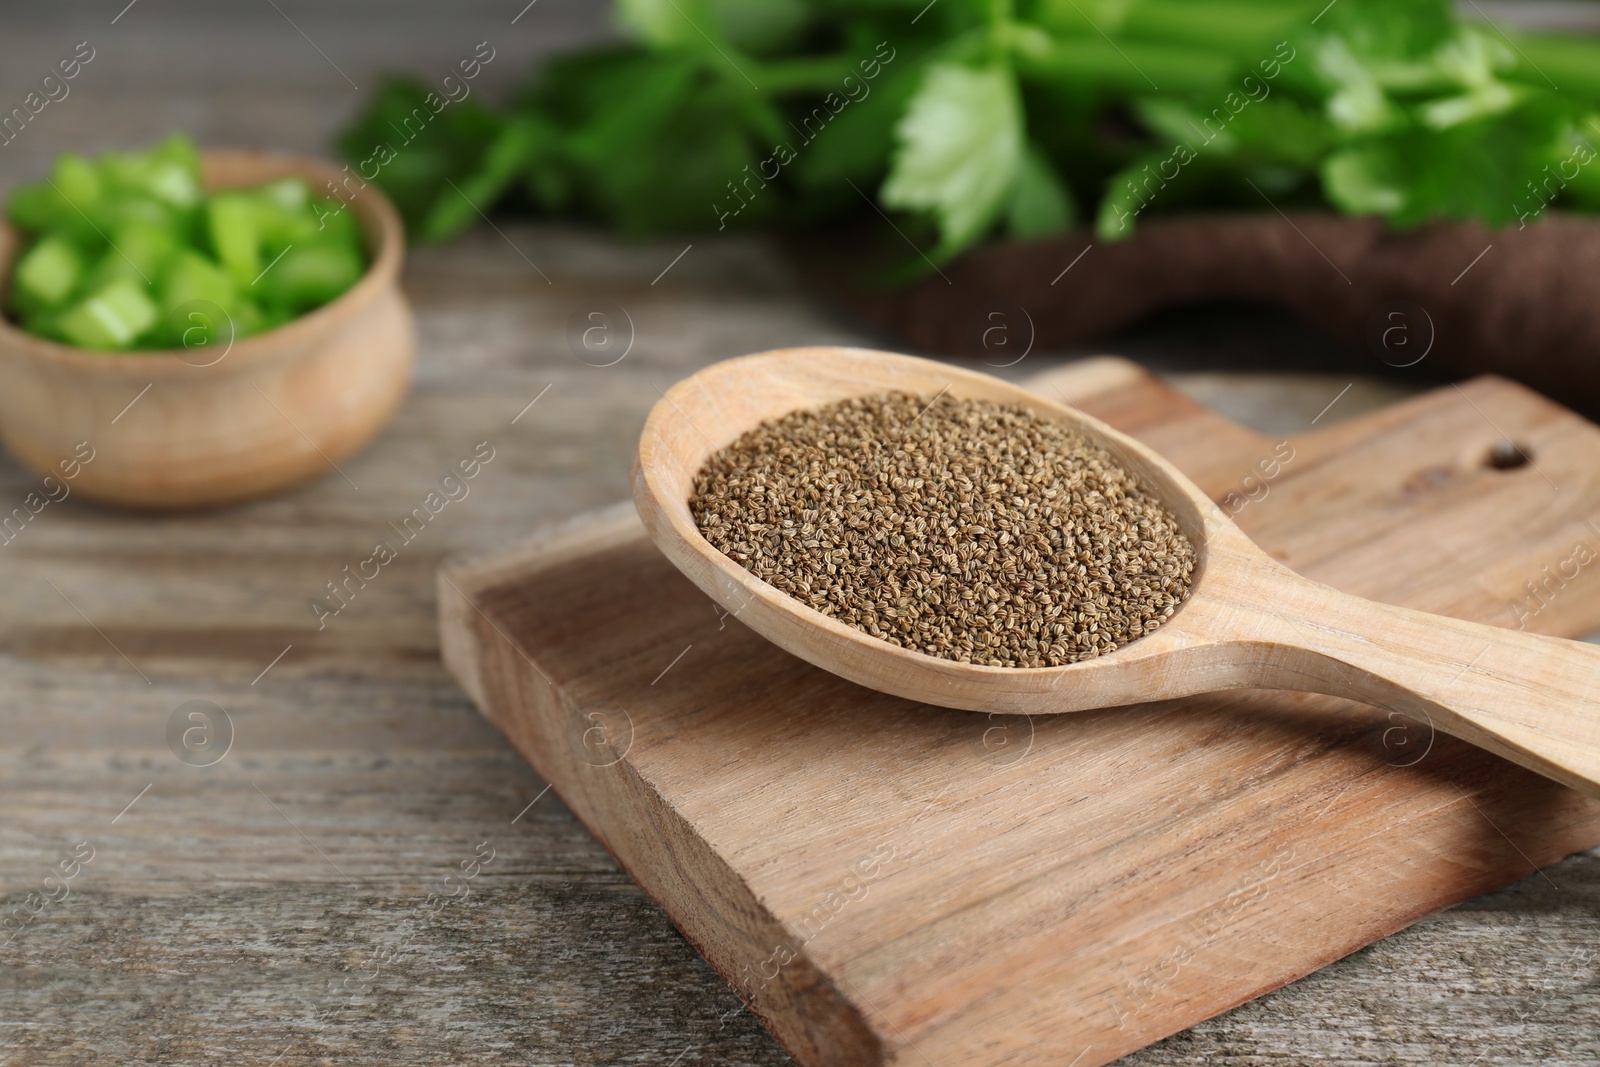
pixel 1532 699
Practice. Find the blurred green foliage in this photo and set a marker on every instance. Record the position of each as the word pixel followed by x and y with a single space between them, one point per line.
pixel 975 118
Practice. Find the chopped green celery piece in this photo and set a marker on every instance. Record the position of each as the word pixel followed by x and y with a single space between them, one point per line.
pixel 66 202
pixel 49 272
pixel 128 245
pixel 169 172
pixel 123 207
pixel 114 317
pixel 336 221
pixel 273 317
pixel 76 179
pixel 194 326
pixel 135 174
pixel 142 248
pixel 174 183
pixel 186 224
pixel 291 194
pixel 231 226
pixel 282 224
pixel 42 322
pixel 310 275
pixel 177 148
pixel 248 318
pixel 33 207
pixel 109 268
pixel 123 171
pixel 191 276
pixel 180 223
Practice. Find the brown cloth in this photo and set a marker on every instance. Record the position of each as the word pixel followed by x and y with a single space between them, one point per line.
pixel 1448 297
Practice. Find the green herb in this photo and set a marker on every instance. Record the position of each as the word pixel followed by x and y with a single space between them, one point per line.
pixel 127 252
pixel 967 119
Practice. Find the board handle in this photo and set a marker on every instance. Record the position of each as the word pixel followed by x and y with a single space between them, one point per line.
pixel 1532 699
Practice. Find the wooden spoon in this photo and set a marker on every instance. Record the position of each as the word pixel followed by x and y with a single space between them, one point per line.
pixel 1249 622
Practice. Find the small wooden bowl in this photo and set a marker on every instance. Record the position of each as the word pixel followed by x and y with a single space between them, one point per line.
pixel 188 428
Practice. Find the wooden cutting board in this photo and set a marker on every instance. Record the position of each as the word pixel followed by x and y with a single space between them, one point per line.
pixel 890 883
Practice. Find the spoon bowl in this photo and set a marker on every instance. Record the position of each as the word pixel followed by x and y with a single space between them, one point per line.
pixel 1248 621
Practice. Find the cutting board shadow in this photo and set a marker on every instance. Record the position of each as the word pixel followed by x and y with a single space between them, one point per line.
pixel 884 882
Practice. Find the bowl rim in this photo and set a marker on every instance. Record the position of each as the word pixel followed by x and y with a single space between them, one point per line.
pixel 380 223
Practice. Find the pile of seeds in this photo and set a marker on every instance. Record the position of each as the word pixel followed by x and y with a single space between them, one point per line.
pixel 960 528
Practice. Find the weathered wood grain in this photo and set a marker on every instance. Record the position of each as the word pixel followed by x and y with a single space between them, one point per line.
pixel 207 930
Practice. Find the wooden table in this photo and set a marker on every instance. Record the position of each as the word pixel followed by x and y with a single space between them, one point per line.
pixel 272 904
